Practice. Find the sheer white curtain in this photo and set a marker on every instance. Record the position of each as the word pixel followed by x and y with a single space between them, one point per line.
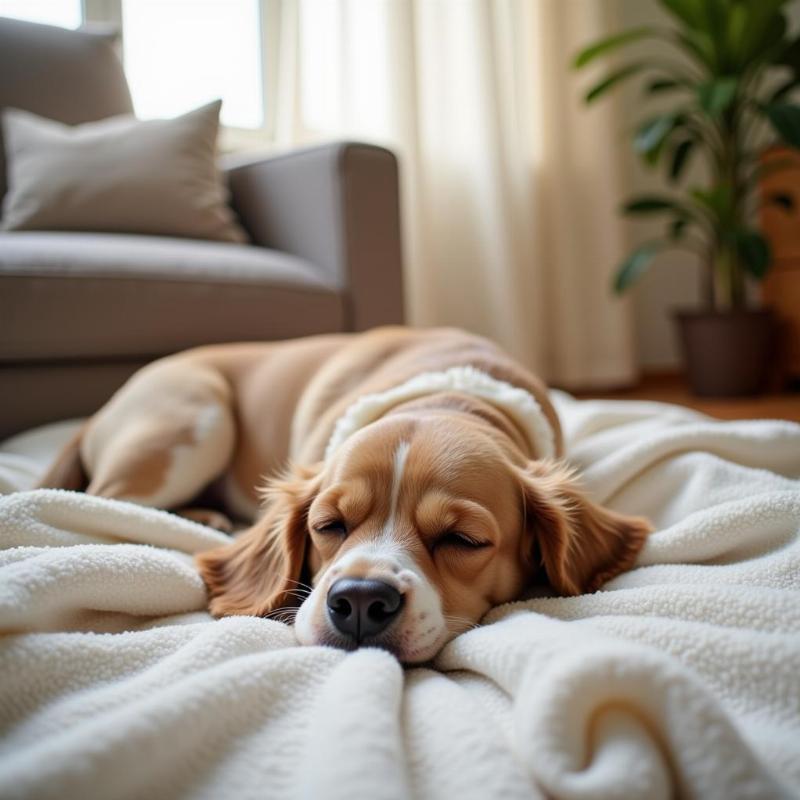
pixel 510 186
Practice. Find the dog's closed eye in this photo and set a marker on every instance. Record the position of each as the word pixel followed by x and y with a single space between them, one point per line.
pixel 460 540
pixel 334 527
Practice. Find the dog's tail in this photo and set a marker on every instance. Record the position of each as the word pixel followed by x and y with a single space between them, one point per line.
pixel 67 471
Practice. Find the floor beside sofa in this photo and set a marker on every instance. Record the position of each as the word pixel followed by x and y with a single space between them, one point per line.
pixel 672 388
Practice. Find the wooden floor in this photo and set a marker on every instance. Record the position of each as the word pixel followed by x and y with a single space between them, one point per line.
pixel 673 389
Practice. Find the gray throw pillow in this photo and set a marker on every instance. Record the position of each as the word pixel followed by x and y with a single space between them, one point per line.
pixel 120 175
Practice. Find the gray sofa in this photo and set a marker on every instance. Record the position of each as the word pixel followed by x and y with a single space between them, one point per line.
pixel 79 312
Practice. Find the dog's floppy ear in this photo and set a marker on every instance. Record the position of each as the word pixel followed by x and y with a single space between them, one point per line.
pixel 257 573
pixel 580 544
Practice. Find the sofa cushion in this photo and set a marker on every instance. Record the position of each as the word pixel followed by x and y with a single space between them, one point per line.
pixel 71 76
pixel 121 174
pixel 81 295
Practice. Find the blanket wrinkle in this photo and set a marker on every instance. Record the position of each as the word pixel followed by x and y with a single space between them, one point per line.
pixel 726 606
pixel 339 721
pixel 680 678
pixel 698 537
pixel 69 518
pixel 52 589
pixel 449 711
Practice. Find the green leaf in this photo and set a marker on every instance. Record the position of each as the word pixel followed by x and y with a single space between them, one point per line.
pixel 650 204
pixel 715 96
pixel 679 158
pixel 715 13
pixel 754 251
pixel 653 134
pixel 785 120
pixel 635 264
pixel 699 46
pixel 736 31
pixel 689 12
pixel 662 85
pixel 750 31
pixel 609 44
pixel 765 33
pixel 789 55
pixel 611 80
pixel 718 200
pixel 784 89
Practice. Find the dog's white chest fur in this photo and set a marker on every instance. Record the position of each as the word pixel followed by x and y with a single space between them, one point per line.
pixel 517 403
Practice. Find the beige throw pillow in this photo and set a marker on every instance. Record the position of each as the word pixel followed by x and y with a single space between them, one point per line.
pixel 120 174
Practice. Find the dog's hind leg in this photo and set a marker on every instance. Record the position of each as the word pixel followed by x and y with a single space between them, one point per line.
pixel 66 472
pixel 163 437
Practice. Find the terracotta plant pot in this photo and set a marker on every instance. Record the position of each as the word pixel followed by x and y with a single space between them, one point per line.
pixel 727 354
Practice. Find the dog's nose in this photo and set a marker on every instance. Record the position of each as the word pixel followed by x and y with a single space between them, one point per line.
pixel 360 608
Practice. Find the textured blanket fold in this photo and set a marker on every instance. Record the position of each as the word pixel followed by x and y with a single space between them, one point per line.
pixel 680 678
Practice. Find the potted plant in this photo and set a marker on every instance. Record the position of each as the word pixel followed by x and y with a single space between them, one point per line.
pixel 728 68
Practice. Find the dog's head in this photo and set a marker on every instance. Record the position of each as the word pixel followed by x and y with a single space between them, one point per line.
pixel 411 532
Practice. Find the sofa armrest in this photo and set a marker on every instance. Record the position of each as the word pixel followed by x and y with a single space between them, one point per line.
pixel 336 206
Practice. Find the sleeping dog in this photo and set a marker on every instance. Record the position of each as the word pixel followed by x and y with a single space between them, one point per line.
pixel 424 483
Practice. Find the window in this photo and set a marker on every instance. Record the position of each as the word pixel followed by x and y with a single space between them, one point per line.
pixel 180 54
pixel 64 13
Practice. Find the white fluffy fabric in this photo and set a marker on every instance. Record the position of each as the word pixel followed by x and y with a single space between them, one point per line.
pixel 521 405
pixel 680 679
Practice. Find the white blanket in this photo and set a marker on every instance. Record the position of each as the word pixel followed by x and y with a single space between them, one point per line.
pixel 680 678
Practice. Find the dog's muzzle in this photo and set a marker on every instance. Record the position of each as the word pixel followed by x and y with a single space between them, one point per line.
pixel 361 608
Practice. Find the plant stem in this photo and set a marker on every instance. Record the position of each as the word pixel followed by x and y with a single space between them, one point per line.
pixel 727 266
pixel 729 284
pixel 708 282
